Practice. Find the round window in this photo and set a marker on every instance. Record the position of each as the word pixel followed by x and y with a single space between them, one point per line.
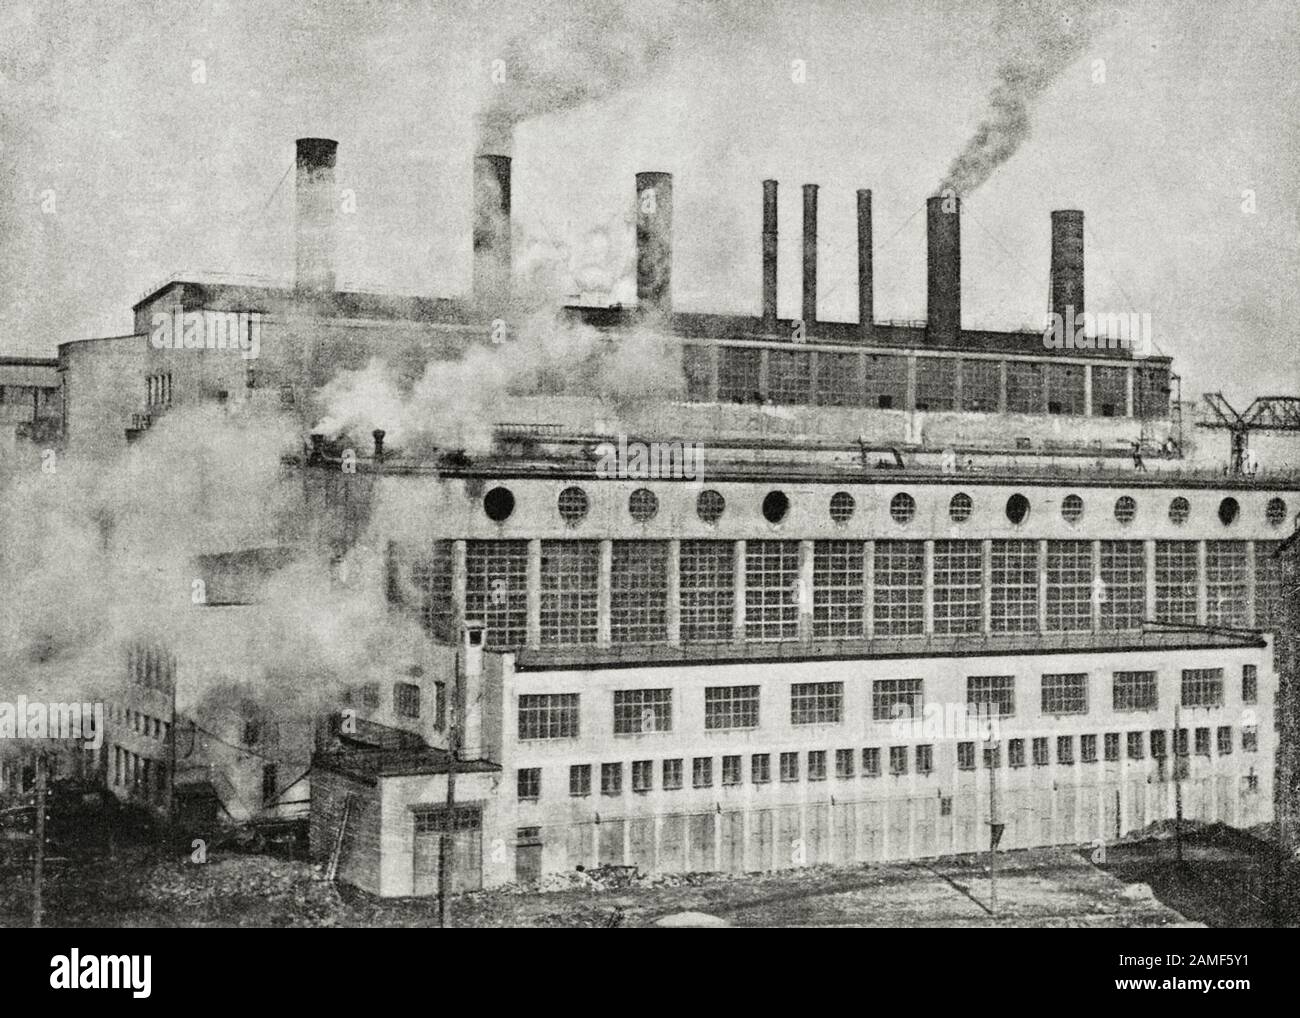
pixel 573 505
pixel 1072 508
pixel 643 505
pixel 709 506
pixel 1017 508
pixel 902 507
pixel 499 503
pixel 842 506
pixel 1179 510
pixel 960 507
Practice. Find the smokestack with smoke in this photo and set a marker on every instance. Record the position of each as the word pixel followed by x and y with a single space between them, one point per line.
pixel 943 277
pixel 654 242
pixel 1067 261
pixel 1046 40
pixel 866 285
pixel 492 251
pixel 809 253
pixel 769 254
pixel 315 225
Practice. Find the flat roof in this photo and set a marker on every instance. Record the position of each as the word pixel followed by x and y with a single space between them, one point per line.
pixel 369 765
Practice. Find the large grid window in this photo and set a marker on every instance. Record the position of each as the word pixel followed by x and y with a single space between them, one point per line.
pixel 1124 579
pixel 640 711
pixel 1134 691
pixel 772 590
pixel 981 383
pixel 1109 392
pixel 958 587
pixel 936 383
pixel 899 593
pixel 1151 391
pixel 1024 387
pixel 638 605
pixel 1225 583
pixel 707 590
pixel 816 703
pixel 697 366
pixel 432 579
pixel 1176 581
pixel 991 695
pixel 730 707
pixel 1202 687
pixel 548 715
pixel 838 594
pixel 496 590
pixel 738 372
pixel 1065 693
pixel 838 383
pixel 886 387
pixel 570 578
pixel 896 698
pixel 1269 606
pixel 1069 585
pixel 1015 586
pixel 789 376
pixel 1065 389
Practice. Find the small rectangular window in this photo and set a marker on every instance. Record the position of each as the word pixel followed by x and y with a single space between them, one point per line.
pixel 1181 744
pixel 1202 742
pixel 406 700
pixel 643 775
pixel 1088 748
pixel 1249 684
pixel 611 779
pixel 817 765
pixel 966 756
pixel 672 774
pixel 1040 752
pixel 844 763
pixel 731 773
pixel 871 762
pixel 789 766
pixel 897 759
pixel 1111 743
pixel 760 768
pixel 1135 746
pixel 1015 752
pixel 1065 749
pixel 992 757
pixel 1224 739
pixel 924 759
pixel 702 772
pixel 1158 744
pixel 1249 739
pixel 580 779
pixel 530 782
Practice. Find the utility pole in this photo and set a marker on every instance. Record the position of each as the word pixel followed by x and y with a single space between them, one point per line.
pixel 453 746
pixel 1178 794
pixel 991 752
pixel 38 865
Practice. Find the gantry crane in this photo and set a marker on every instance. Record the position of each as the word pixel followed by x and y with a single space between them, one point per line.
pixel 1266 413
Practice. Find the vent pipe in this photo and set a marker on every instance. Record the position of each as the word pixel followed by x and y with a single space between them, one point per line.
pixel 866 286
pixel 769 255
pixel 314 240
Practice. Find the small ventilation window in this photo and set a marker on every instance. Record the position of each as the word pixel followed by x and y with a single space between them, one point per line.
pixel 1072 509
pixel 775 506
pixel 1228 511
pixel 902 507
pixel 842 506
pixel 643 505
pixel 709 506
pixel 1275 512
pixel 573 505
pixel 1017 508
pixel 960 507
pixel 1126 509
pixel 1179 510
pixel 499 503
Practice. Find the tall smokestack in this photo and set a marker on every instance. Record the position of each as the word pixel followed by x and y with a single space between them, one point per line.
pixel 866 291
pixel 809 253
pixel 492 250
pixel 943 218
pixel 314 265
pixel 654 241
pixel 1067 261
pixel 769 255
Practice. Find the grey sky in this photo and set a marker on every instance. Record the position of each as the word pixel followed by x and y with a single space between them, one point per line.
pixel 155 173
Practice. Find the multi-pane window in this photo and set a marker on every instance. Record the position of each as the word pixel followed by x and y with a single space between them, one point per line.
pixel 992 756
pixel 1065 749
pixel 1225 583
pixel 1015 586
pixel 638 607
pixel 871 762
pixel 1176 581
pixel 1124 584
pixel 1088 748
pixel 838 595
pixel 1134 691
pixel 1202 687
pixel 528 782
pixel 406 702
pixel 496 590
pixel 924 759
pixel 1180 742
pixel 702 772
pixel 432 579
pixel 1069 585
pixel 697 366
pixel 1109 392
pixel 738 371
pixel 1065 693
pixel 1040 751
pixel 817 765
pixel 1249 684
pixel 570 578
pixel 789 376
pixel 760 768
pixel 991 695
pixel 1065 388
pixel 731 772
pixel 1135 745
pixel 643 775
pixel 580 779
pixel 936 383
pixel 672 774
pixel 844 763
pixel 899 596
pixel 789 766
pixel 897 759
pixel 1110 746
pixel 1269 614
pixel 772 590
pixel 1249 738
pixel 638 711
pixel 896 698
pixel 966 756
pixel 1202 742
pixel 548 715
pixel 1224 739
pixel 886 382
pixel 1158 743
pixel 816 703
pixel 611 779
pixel 958 587
pixel 707 584
pixel 1015 752
pixel 837 379
pixel 1024 387
pixel 1151 391
pixel 981 381
pixel 730 707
